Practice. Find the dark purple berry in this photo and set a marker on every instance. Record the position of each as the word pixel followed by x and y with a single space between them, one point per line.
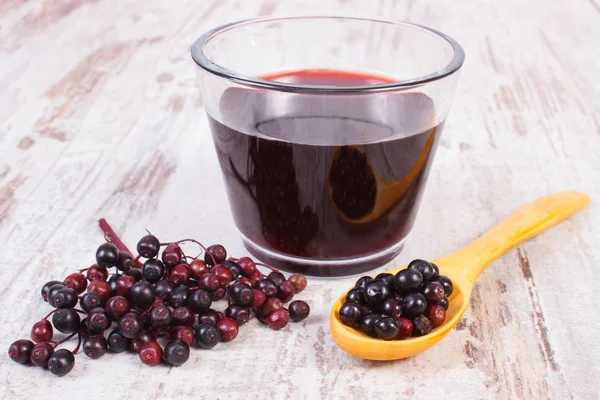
pixel 357 295
pixel 117 343
pixel 199 301
pixel 207 336
pixel 163 289
pixel 424 267
pixel 267 286
pixel 376 292
pixel 436 272
pixel 446 284
pixel 444 303
pixel 392 308
pixel 408 281
pixel 387 278
pixel 161 318
pixel 350 314
pixel 367 323
pixel 130 325
pixel 107 255
pixel 387 328
pixel 142 294
pixel 414 304
pixel 179 296
pixel 176 352
pixel 241 294
pixel 66 320
pixel 210 317
pixel 362 282
pixel 95 346
pixel 91 300
pixel 298 310
pixel 148 246
pixel 47 287
pixel 20 351
pixel 61 362
pixel 125 262
pixel 276 277
pixel 153 270
pixel 241 314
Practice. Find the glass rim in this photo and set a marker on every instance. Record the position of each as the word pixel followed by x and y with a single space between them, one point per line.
pixel 197 53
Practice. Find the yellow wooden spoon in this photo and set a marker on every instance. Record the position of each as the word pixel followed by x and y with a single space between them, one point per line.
pixel 463 267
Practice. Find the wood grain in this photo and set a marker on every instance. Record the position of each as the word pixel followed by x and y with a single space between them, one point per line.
pixel 101 116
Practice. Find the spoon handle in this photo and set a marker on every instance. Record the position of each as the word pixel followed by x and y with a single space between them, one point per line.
pixel 468 263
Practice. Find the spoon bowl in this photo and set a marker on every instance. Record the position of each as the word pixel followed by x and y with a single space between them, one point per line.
pixel 463 267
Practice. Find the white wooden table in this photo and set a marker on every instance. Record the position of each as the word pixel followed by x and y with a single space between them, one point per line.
pixel 100 116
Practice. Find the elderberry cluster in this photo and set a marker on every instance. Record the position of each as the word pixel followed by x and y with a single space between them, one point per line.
pixel 394 307
pixel 157 308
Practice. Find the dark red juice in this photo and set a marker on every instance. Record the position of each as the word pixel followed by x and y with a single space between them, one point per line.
pixel 325 177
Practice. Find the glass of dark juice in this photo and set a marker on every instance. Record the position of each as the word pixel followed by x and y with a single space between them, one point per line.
pixel 325 129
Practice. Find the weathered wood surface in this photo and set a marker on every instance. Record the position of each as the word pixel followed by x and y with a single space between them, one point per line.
pixel 100 116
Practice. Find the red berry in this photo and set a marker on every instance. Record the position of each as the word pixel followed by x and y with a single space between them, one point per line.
pixel 183 333
pixel 434 292
pixel 124 284
pixel 228 329
pixel 223 273
pixel 406 328
pixel 255 277
pixel 278 319
pixel 77 282
pixel 215 254
pixel 151 353
pixel 171 255
pixel 285 291
pixel 97 273
pixel 116 307
pixel 42 331
pixel 100 287
pixel 298 281
pixel 180 274
pixel 247 266
pixel 436 314
pixel 259 298
pixel 271 305
pixel 20 351
pixel 245 281
pixel 183 316
pixel 41 353
pixel 218 294
pixel 209 282
pixel 198 268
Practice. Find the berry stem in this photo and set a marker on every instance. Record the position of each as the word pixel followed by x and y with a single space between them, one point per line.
pixel 201 245
pixel 267 266
pixel 112 237
pixel 66 339
pixel 49 314
pixel 78 345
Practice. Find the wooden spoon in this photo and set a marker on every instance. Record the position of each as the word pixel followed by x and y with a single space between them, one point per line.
pixel 463 267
